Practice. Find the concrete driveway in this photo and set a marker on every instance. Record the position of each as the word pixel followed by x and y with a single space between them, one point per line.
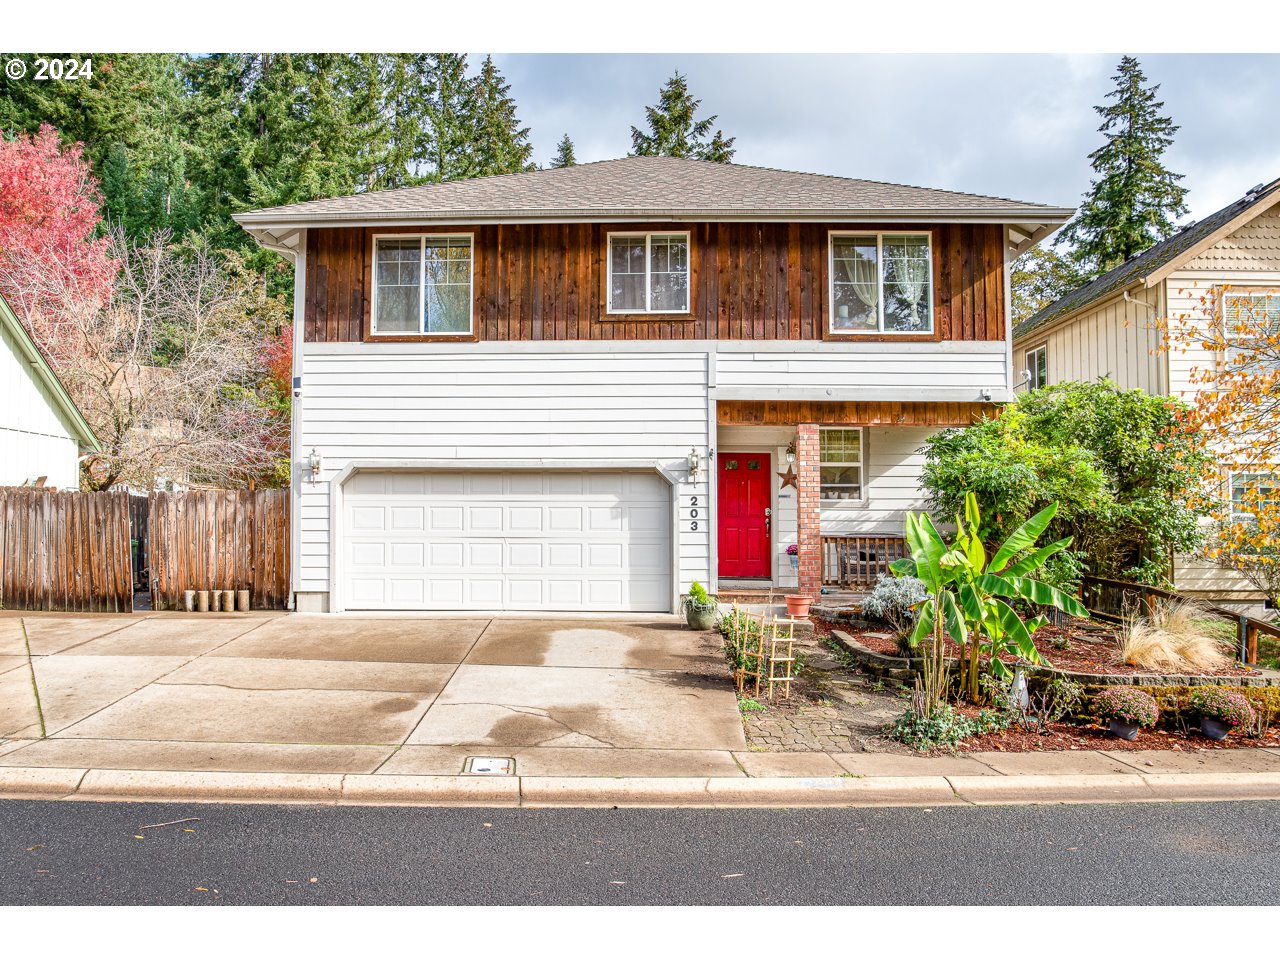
pixel 350 694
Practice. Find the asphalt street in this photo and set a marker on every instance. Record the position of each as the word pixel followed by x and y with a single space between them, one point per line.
pixel 135 853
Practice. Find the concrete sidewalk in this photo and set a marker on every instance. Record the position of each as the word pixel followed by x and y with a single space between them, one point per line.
pixel 595 711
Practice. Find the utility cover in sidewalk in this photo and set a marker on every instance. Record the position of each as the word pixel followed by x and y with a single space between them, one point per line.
pixel 490 766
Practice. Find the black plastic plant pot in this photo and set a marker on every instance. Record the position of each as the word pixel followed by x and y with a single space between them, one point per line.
pixel 1125 731
pixel 1214 729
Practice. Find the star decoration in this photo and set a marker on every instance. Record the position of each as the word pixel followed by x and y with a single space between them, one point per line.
pixel 788 478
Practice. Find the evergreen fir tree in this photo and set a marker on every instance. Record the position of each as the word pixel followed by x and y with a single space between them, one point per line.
pixel 450 115
pixel 499 144
pixel 564 153
pixel 1135 201
pixel 673 131
pixel 407 86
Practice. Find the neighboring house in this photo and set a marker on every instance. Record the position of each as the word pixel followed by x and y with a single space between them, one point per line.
pixel 576 389
pixel 42 433
pixel 1108 327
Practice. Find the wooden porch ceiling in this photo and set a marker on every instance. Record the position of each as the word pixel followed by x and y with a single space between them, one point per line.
pixel 852 413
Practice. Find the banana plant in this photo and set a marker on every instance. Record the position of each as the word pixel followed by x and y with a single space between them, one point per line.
pixel 973 591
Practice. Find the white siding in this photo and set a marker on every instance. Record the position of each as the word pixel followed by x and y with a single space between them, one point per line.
pixel 1248 257
pixel 34 440
pixel 893 460
pixel 916 371
pixel 394 405
pixel 1118 339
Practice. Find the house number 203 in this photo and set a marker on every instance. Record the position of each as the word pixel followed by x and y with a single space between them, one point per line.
pixel 693 513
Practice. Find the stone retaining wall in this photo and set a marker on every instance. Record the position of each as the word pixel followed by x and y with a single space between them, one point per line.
pixel 907 669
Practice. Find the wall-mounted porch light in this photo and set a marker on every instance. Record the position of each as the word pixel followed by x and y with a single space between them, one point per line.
pixel 313 464
pixel 791 453
pixel 695 465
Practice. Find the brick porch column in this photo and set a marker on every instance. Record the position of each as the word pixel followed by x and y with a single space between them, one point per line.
pixel 809 534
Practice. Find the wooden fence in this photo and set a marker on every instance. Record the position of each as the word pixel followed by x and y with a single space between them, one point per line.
pixel 220 540
pixel 72 551
pixel 1118 600
pixel 65 551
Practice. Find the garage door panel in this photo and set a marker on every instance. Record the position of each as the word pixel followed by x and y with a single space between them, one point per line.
pixel 407 555
pixel 549 541
pixel 443 519
pixel 414 484
pixel 484 519
pixel 524 556
pixel 368 518
pixel 407 518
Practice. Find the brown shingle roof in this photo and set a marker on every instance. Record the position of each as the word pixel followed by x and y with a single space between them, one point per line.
pixel 658 188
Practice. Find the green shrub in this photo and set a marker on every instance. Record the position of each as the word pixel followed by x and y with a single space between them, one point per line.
pixel 1117 462
pixel 945 726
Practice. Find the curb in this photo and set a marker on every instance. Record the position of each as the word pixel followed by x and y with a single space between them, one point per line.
pixel 53 783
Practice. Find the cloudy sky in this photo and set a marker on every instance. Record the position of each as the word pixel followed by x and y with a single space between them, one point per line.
pixel 1018 126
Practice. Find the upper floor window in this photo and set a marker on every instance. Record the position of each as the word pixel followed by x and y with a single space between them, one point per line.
pixel 881 283
pixel 422 285
pixel 1251 327
pixel 648 273
pixel 1037 367
pixel 840 456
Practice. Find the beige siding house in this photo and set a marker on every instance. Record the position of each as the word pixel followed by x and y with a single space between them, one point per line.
pixel 1110 327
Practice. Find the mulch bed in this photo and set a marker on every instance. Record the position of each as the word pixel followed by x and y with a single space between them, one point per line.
pixel 1080 646
pixel 1067 736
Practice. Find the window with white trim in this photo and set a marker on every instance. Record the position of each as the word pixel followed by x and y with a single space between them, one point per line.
pixel 422 285
pixel 648 272
pixel 881 283
pixel 1037 367
pixel 1247 488
pixel 840 455
pixel 1251 327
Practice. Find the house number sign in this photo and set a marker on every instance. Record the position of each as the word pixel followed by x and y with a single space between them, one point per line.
pixel 695 511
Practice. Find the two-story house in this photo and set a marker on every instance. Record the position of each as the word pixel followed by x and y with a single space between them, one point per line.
pixel 1223 266
pixel 584 388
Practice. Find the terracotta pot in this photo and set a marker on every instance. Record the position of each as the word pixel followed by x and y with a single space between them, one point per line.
pixel 798 605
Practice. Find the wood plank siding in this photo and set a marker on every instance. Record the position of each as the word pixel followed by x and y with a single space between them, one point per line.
pixel 748 281
pixel 850 413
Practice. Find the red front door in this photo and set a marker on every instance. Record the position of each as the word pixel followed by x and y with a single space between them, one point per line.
pixel 744 486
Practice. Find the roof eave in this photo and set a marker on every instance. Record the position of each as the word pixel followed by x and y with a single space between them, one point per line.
pixel 1049 218
pixel 85 435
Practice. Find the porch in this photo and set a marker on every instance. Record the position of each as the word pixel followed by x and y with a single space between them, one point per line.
pixel 811 497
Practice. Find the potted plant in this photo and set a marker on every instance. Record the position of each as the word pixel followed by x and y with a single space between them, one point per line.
pixel 1221 711
pixel 1126 710
pixel 793 554
pixel 700 608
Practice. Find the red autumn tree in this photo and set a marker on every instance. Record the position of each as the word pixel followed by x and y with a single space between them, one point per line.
pixel 52 260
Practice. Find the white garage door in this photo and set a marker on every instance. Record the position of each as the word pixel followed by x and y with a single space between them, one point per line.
pixel 507 541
